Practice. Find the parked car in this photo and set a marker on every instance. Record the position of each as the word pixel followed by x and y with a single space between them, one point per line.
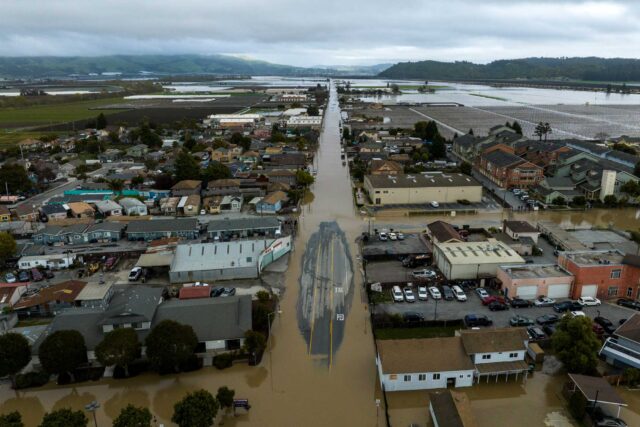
pixel 408 295
pixel 563 306
pixel 10 278
pixel 412 316
pixel 482 293
pixel 422 293
pixel 383 236
pixel 400 236
pixel 424 274
pixel 606 324
pixel 549 329
pixel 597 329
pixel 447 293
pixel 543 301
pixel 435 204
pixel 217 291
pixel 536 333
pixel 519 303
pixel 413 261
pixel 397 294
pixel 23 276
pixel 492 298
pixel 547 319
pixel 607 421
pixel 393 236
pixel 435 292
pixel 577 313
pixel 498 306
pixel 473 320
pixel 589 301
pixel 520 321
pixel 459 293
pixel 36 276
pixel 228 292
pixel 629 303
pixel 135 274
pixel 49 274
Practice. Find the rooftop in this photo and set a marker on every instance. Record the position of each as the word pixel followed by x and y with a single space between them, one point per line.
pixel 191 292
pixel 490 251
pixel 236 224
pixel 502 158
pixel 493 340
pixel 520 227
pixel 219 255
pixel 163 225
pixel 423 355
pixel 630 329
pixel 420 180
pixel 443 231
pixel 66 291
pixel 597 388
pixel 187 184
pixel 594 258
pixel 534 271
pixel 93 291
pixel 451 409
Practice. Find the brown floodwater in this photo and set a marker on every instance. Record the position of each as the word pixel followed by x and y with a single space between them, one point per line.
pixel 291 387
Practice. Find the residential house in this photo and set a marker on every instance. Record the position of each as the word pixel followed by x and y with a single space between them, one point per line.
pixel 137 151
pixel 163 228
pixel 233 228
pixel 50 300
pixel 221 155
pixel 286 161
pixel 169 206
pixel 133 207
pixel 281 175
pixel 49 235
pixel 104 232
pixel 412 364
pixel 52 262
pixel 108 208
pixel 386 167
pixel 603 274
pixel 10 294
pixel 272 203
pixel 222 187
pixel 622 349
pixel 442 232
pixel 186 188
pixel 507 170
pixel 80 210
pixel 5 214
pixel 249 157
pixel 212 204
pixel 189 205
pixel 231 204
pixel 520 229
pixel 25 212
pixel 110 155
pixel 53 212
pixel 529 281
pixel 464 147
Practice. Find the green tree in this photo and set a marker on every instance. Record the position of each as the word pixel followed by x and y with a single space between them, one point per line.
pixel 170 345
pixel 225 397
pixel 150 164
pixel 395 88
pixel 304 178
pixel 465 168
pixel 133 416
pixel 631 376
pixel 137 180
pixel 576 345
pixel 216 170
pixel 15 354
pixel 243 141
pixel 254 343
pixel 62 352
pixel 197 409
pixel 116 185
pixel 15 177
pixel 313 110
pixel 542 130
pixel 577 405
pixel 101 121
pixel 559 201
pixel 516 127
pixel 438 149
pixel 636 170
pixel 611 200
pixel 579 201
pixel 189 142
pixel 631 187
pixel 119 347
pixel 12 419
pixel 64 418
pixel 278 137
pixel 7 246
pixel 346 134
pixel 186 166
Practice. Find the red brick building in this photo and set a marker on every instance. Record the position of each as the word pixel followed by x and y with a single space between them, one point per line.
pixel 602 274
pixel 507 170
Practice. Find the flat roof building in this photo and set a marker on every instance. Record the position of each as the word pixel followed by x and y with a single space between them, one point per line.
pixel 473 260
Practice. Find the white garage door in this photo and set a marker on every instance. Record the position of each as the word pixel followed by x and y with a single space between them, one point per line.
pixel 527 292
pixel 559 291
pixel 589 291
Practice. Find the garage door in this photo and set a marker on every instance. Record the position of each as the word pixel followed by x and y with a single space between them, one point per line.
pixel 589 291
pixel 559 291
pixel 527 292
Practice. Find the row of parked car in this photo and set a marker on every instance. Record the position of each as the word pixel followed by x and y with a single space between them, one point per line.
pixel 383 236
pixel 498 303
pixel 33 275
pixel 424 292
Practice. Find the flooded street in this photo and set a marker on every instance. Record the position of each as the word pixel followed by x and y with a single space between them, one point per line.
pixel 320 370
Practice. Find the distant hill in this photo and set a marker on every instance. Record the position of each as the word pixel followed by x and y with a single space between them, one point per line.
pixel 53 66
pixel 592 68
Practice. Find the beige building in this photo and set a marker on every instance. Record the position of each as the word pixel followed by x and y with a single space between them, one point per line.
pixel 473 260
pixel 417 189
pixel 530 281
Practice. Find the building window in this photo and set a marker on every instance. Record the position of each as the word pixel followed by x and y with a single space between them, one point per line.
pixel 422 377
pixel 629 292
pixel 513 355
pixel 393 377
pixel 615 274
pixel 486 356
pixel 612 291
pixel 436 376
pixel 407 378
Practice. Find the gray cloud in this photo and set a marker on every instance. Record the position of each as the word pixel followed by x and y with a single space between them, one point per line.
pixel 307 32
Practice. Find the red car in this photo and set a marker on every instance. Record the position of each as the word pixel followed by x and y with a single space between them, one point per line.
pixel 598 330
pixel 491 298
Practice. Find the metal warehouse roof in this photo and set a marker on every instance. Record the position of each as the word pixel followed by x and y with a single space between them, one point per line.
pixel 490 252
pixel 235 224
pixel 163 225
pixel 221 255
pixel 419 180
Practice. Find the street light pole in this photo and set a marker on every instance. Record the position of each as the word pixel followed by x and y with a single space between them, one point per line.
pixel 92 407
pixel 278 311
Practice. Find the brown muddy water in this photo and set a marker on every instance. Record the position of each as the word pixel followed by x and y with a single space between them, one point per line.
pixel 292 387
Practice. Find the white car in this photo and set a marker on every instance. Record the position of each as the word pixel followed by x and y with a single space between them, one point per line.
pixel 435 204
pixel 408 295
pixel 482 293
pixel 393 236
pixel 578 314
pixel 135 274
pixel 435 292
pixel 383 236
pixel 589 301
pixel 424 274
pixel 397 294
pixel 544 302
pixel 400 236
pixel 459 293
pixel 422 293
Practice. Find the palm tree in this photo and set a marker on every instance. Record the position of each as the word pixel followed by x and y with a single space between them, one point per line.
pixel 547 130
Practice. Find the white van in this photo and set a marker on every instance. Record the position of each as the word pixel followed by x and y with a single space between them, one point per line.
pixel 459 293
pixel 398 296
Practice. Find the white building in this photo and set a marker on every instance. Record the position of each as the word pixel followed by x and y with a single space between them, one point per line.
pixel 473 260
pixel 53 262
pixel 422 364
pixel 133 206
pixel 607 184
pixel 108 208
pixel 304 121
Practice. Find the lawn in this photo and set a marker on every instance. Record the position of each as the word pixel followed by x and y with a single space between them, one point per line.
pixel 408 333
pixel 33 322
pixel 38 115
pixel 10 137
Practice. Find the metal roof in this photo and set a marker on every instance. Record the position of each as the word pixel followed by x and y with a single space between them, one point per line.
pixel 221 255
pixel 238 224
pixel 420 180
pixel 163 225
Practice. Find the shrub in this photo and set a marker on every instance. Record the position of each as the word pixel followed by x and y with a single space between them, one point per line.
pixel 31 379
pixel 577 405
pixel 223 361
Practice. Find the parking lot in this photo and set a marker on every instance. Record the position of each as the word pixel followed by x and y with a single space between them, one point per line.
pixel 453 310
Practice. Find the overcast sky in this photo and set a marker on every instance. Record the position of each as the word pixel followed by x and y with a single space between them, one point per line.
pixel 328 32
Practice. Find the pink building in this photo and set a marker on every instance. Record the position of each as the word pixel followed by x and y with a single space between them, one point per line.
pixel 530 281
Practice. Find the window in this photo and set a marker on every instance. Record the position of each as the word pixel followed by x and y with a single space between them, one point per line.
pixel 136 325
pixel 486 356
pixel 407 378
pixel 422 377
pixel 615 274
pixel 436 376
pixel 612 291
pixel 393 377
pixel 513 355
pixel 629 292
